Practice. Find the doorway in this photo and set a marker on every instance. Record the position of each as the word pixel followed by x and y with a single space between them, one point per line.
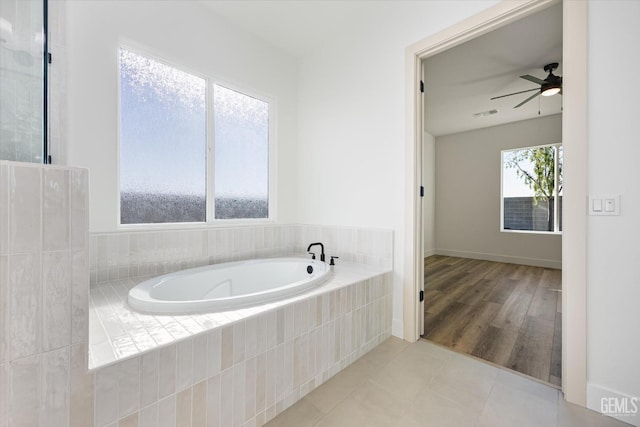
pixel 491 215
pixel 574 236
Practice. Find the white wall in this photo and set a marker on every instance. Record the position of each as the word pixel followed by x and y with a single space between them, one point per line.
pixel 184 33
pixel 429 199
pixel 467 217
pixel 613 289
pixel 352 118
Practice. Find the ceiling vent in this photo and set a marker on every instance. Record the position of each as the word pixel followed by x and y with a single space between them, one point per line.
pixel 486 113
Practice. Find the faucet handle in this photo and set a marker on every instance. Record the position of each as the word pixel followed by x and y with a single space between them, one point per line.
pixel 313 255
pixel 332 258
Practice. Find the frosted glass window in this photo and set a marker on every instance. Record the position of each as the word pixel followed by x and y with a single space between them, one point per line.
pixel 163 140
pixel 22 80
pixel 532 189
pixel 241 155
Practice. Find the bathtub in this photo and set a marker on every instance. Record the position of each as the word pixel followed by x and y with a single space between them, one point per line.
pixel 227 286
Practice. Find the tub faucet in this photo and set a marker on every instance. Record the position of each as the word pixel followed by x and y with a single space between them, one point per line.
pixel 321 250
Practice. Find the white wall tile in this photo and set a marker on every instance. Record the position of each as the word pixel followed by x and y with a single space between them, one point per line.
pixel 129 421
pixel 79 210
pixel 261 331
pixel 261 380
pixel 239 331
pixel 4 209
pixel 251 337
pixel 183 408
pixel 128 387
pixel 250 388
pixel 56 300
pixel 184 364
pixel 153 253
pixel 167 412
pixel 112 254
pixel 149 416
pixel 106 395
pixel 288 322
pixel 101 251
pixel 226 347
pixel 214 354
pixel 25 204
pixel 199 404
pixel 79 296
pixel 279 370
pixel 55 388
pixel 4 309
pixel 214 399
pixel 4 395
pixel 82 387
pixel 199 358
pixel 149 378
pixel 239 397
pixel 25 310
pixel 55 210
pixel 270 381
pixel 25 392
pixel 226 397
pixel 167 371
pixel 280 328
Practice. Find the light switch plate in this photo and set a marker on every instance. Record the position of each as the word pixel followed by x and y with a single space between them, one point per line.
pixel 606 205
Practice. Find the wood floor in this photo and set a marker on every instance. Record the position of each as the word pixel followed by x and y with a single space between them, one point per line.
pixel 507 314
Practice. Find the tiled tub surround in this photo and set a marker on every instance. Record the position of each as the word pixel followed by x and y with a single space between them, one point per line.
pixel 124 255
pixel 245 372
pixel 118 332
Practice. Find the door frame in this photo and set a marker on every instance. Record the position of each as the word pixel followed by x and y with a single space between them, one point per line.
pixel 574 138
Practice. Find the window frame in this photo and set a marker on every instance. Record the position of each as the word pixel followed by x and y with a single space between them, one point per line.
pixel 556 206
pixel 210 81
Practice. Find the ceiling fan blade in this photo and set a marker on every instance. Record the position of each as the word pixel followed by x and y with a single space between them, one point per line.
pixel 514 93
pixel 533 79
pixel 528 99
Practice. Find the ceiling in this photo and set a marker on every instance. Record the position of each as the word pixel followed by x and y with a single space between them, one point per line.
pixel 459 82
pixel 293 26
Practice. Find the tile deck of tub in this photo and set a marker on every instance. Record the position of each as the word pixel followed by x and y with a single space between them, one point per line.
pixel 117 332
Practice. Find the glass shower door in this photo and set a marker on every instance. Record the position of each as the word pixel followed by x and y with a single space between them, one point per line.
pixel 22 80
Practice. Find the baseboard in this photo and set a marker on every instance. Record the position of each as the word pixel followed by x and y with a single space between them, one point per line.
pixel 614 404
pixel 536 262
pixel 397 328
pixel 429 252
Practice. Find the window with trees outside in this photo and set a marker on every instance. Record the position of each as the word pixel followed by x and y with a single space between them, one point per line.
pixel 532 189
pixel 190 150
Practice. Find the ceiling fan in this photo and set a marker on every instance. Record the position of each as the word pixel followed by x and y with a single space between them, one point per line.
pixel 548 87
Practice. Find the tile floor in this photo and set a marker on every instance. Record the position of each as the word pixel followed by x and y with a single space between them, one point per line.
pixel 422 384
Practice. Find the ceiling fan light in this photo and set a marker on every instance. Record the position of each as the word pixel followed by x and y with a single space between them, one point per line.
pixel 550 91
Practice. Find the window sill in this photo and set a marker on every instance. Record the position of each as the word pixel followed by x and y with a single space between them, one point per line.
pixel 546 233
pixel 197 225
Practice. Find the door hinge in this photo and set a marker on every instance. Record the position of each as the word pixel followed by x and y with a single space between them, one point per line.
pixel 49 58
pixel 421 86
pixel 421 191
pixel 421 296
